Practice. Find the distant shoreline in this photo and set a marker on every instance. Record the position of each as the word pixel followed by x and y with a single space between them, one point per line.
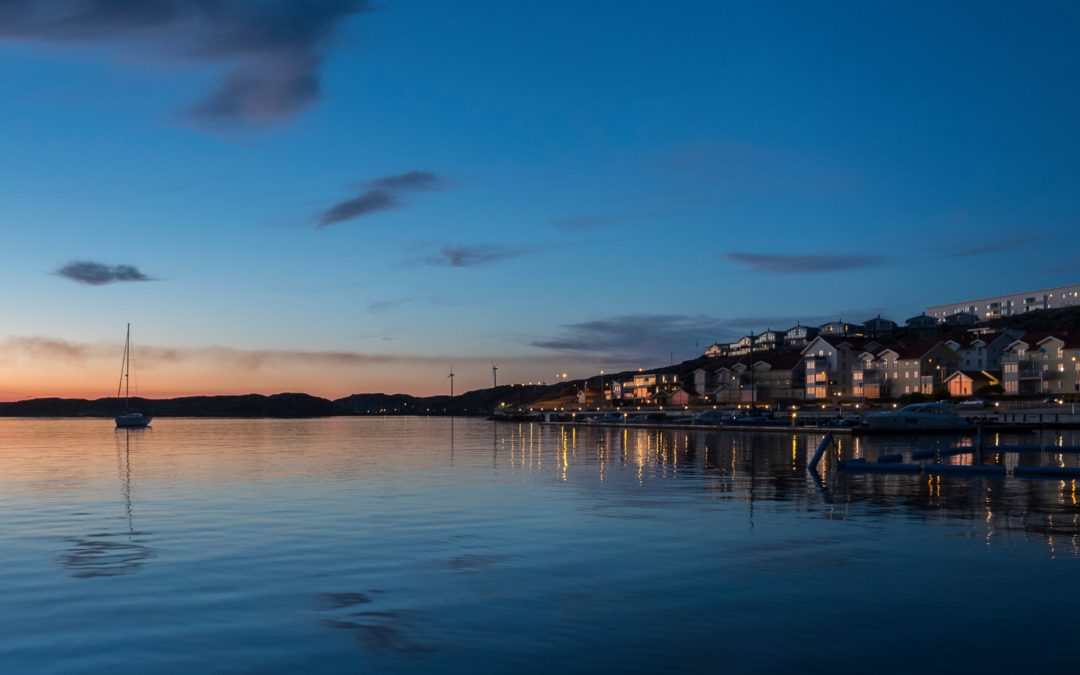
pixel 286 405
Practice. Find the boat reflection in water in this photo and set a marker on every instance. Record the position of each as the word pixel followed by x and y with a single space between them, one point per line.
pixel 111 553
pixel 412 544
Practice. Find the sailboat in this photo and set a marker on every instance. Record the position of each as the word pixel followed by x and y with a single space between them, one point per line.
pixel 129 419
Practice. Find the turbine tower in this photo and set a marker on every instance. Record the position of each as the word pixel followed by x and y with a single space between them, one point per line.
pixel 451 378
pixel 494 378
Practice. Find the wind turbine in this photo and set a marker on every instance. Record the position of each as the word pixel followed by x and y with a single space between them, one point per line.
pixel 451 378
pixel 494 378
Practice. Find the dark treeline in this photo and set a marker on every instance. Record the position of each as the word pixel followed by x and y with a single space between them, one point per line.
pixel 479 402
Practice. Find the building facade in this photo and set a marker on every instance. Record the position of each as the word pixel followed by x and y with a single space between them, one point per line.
pixel 1011 305
pixel 968 382
pixel 901 370
pixel 799 335
pixel 830 362
pixel 1042 364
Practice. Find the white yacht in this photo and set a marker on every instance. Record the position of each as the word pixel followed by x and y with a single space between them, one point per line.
pixel 918 417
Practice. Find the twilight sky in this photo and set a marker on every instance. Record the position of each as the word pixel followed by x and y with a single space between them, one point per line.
pixel 340 197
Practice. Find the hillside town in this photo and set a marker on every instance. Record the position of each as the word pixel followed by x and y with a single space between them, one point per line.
pixel 975 348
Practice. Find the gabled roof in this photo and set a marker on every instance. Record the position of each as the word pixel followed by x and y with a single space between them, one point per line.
pixel 855 343
pixel 976 376
pixel 917 350
pixel 1070 339
pixel 782 361
pixel 920 317
pixel 1032 338
pixel 878 319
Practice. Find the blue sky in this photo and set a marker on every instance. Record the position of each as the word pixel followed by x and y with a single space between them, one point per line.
pixel 610 182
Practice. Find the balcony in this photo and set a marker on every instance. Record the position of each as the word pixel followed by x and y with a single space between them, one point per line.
pixel 868 377
pixel 1029 372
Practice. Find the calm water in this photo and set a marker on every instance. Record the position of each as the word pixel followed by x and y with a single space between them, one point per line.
pixel 438 545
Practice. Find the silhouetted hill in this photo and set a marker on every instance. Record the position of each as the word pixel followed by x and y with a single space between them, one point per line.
pixel 477 402
pixel 250 405
pixel 1065 318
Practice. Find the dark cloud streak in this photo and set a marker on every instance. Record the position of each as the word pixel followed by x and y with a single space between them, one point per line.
pixel 368 202
pixel 99 274
pixel 272 51
pixel 411 180
pixel 1002 245
pixel 635 337
pixel 805 264
pixel 474 256
pixel 381 194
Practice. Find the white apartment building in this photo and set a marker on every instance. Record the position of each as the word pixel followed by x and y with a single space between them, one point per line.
pixel 1011 305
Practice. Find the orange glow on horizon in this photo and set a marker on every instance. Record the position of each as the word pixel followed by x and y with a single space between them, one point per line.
pixel 47 376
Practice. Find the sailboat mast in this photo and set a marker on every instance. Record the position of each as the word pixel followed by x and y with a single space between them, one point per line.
pixel 123 365
pixel 127 370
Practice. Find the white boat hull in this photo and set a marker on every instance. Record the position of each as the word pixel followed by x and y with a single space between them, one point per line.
pixel 917 417
pixel 133 421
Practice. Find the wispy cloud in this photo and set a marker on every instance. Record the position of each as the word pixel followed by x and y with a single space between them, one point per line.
pixel 49 349
pixel 635 337
pixel 598 221
pixel 805 264
pixel 272 51
pixel 98 274
pixel 988 247
pixel 411 180
pixel 383 305
pixel 361 205
pixel 650 338
pixel 378 195
pixel 474 256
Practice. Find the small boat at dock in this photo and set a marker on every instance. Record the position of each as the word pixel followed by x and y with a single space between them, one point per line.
pixel 919 417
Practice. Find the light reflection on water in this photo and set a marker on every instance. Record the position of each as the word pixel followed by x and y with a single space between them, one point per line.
pixel 431 544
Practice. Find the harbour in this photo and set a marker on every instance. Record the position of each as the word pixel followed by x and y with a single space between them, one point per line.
pixel 414 544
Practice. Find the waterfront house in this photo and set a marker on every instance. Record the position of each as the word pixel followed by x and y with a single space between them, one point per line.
pixel 897 370
pixel 830 363
pixel 703 381
pixel 841 329
pixel 717 350
pixel 878 327
pixel 780 377
pixel 1042 363
pixel 982 350
pixel 742 346
pixel 678 397
pixel 730 383
pixel 960 319
pixel 799 335
pixel 768 340
pixel 921 367
pixel 970 382
pixel 644 387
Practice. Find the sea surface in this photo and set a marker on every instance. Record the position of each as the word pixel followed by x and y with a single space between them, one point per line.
pixel 379 545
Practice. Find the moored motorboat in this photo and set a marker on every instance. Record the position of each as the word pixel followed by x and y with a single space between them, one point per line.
pixel 918 417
